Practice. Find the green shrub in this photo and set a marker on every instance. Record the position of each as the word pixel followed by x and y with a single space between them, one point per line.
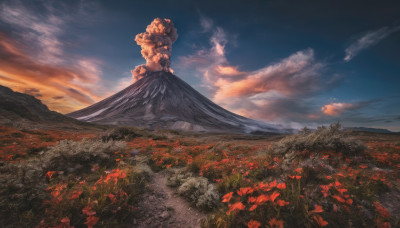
pixel 121 133
pixel 70 155
pixel 322 139
pixel 231 183
pixel 200 193
pixel 197 190
pixel 177 177
pixel 22 191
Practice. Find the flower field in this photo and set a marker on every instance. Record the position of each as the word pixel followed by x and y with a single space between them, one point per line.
pixel 296 181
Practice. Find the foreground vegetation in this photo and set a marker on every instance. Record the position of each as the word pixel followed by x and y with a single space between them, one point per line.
pixel 321 178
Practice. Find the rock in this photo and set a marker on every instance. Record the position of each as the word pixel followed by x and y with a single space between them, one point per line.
pixel 165 215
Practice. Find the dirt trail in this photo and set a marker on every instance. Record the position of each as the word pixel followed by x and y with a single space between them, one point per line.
pixel 160 207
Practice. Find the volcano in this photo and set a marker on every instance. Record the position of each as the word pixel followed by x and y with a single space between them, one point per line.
pixel 162 100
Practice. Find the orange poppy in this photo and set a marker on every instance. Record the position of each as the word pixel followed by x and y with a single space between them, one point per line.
pixel 49 174
pixel 91 221
pixel 317 209
pixel 338 198
pixel 236 206
pixel 276 223
pixel 227 197
pixel 273 196
pixel 320 221
pixel 244 191
pixel 282 203
pixel 281 186
pixel 252 208
pixel 253 224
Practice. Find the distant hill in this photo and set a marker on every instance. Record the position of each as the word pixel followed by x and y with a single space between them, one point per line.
pixel 23 108
pixel 374 130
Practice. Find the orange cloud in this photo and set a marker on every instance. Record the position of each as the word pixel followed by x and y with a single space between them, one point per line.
pixel 74 84
pixel 279 92
pixel 335 109
pixel 228 70
pixel 294 75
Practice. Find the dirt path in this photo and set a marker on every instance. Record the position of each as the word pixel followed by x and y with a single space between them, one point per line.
pixel 160 207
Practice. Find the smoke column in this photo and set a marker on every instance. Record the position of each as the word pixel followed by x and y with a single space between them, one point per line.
pixel 156 44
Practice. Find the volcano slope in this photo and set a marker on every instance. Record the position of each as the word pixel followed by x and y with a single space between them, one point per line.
pixel 162 100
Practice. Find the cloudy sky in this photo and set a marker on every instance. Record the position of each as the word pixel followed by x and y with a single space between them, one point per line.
pixel 296 63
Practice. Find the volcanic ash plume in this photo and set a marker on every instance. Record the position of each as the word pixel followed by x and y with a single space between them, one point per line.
pixel 156 45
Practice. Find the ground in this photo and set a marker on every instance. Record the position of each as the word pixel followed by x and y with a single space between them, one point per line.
pixel 130 177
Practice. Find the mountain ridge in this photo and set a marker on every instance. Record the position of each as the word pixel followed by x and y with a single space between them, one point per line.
pixel 21 108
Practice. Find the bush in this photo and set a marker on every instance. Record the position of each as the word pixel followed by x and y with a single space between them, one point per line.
pixel 323 139
pixel 121 133
pixel 69 155
pixel 22 191
pixel 178 177
pixel 197 190
pixel 200 193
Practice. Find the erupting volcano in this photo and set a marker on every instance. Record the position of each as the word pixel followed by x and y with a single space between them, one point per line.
pixel 159 99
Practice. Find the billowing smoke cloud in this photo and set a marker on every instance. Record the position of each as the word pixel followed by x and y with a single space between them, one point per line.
pixel 156 45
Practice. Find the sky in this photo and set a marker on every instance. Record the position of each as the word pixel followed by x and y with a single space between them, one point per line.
pixel 294 63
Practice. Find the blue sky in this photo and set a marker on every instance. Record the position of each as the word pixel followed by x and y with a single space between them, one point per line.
pixel 289 62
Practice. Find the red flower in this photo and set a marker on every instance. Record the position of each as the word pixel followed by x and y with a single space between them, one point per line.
pixel 244 191
pixel 381 210
pixel 273 196
pixel 294 177
pixel 252 208
pixel 338 198
pixel 299 170
pixel 91 221
pixel 75 195
pixel 317 209
pixel 112 198
pixel 276 223
pixel 88 211
pixel 262 199
pixel 49 174
pixel 227 197
pixel 236 206
pixel 65 221
pixel 253 224
pixel 272 184
pixel 251 199
pixel 325 189
pixel 281 186
pixel 385 225
pixel 321 222
pixel 282 203
pixel 341 190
